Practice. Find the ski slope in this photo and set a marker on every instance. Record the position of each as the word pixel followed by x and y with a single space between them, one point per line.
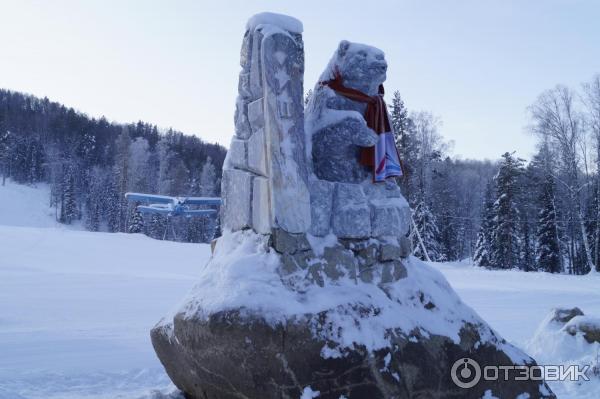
pixel 76 307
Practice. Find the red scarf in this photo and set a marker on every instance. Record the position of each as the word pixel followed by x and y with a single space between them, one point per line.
pixel 376 114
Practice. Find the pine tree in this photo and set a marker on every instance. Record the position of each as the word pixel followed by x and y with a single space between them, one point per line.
pixel 405 141
pixel 136 221
pixel 547 249
pixel 482 256
pixel 426 225
pixel 208 179
pixel 69 205
pixel 158 224
pixel 505 238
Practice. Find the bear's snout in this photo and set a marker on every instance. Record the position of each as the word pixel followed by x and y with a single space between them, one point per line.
pixel 379 67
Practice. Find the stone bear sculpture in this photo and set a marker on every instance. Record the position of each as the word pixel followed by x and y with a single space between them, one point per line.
pixel 336 123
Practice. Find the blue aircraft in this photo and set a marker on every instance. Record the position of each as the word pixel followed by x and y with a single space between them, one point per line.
pixel 173 206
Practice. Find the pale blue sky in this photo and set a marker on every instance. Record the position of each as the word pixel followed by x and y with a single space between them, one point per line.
pixel 475 64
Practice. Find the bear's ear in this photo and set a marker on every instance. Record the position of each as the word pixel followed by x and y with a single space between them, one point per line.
pixel 343 48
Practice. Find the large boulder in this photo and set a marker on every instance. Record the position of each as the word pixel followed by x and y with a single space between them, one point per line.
pixel 243 333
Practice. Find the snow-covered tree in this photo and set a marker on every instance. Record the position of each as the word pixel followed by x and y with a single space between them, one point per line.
pixel 547 252
pixel 558 121
pixel 136 221
pixel 69 205
pixel 139 153
pixel 406 142
pixel 483 246
pixel 505 246
pixel 157 226
pixel 428 230
pixel 208 179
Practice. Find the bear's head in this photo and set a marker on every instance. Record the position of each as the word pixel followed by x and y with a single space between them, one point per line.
pixel 362 67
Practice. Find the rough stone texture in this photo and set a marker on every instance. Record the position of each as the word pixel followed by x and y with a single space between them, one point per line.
pixel 340 129
pixel 257 153
pixel 236 156
pixel 269 116
pixel 285 242
pixel 321 203
pixel 261 212
pixel 588 327
pixel 389 251
pixel 282 67
pixel 242 126
pixel 336 150
pixel 351 215
pixel 405 246
pixel 385 220
pixel 390 213
pixel 339 261
pixel 367 253
pixel 248 358
pixel 564 315
pixel 256 115
pixel 236 204
pixel 399 270
pixel 315 274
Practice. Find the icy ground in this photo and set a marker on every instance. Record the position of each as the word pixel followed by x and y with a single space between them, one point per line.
pixel 76 307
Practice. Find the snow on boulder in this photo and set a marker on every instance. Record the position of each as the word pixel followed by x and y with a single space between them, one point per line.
pixel 589 327
pixel 566 336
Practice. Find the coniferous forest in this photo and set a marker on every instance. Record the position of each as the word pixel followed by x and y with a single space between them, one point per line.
pixel 541 214
pixel 91 163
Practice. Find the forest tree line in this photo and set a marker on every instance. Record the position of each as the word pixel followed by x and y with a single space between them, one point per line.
pixel 540 215
pixel 91 163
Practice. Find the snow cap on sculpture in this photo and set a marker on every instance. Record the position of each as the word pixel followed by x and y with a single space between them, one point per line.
pixel 265 174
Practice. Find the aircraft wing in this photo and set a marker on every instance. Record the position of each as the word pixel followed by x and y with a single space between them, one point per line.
pixel 155 209
pixel 199 212
pixel 153 198
pixel 202 201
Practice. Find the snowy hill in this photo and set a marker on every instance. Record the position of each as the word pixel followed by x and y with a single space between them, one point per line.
pixel 22 205
pixel 76 307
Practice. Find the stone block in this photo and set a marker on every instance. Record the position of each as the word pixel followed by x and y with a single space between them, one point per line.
pixel 236 155
pixel 242 126
pixel 399 270
pixel 351 215
pixel 321 202
pixel 405 247
pixel 256 115
pixel 237 196
pixel 367 253
pixel 244 86
pixel 389 251
pixel 385 220
pixel 282 64
pixel 315 274
pixel 290 243
pixel 261 212
pixel 387 273
pixel 257 153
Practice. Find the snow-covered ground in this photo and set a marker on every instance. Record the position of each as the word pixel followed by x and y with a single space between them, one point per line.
pixel 515 304
pixel 22 205
pixel 76 307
